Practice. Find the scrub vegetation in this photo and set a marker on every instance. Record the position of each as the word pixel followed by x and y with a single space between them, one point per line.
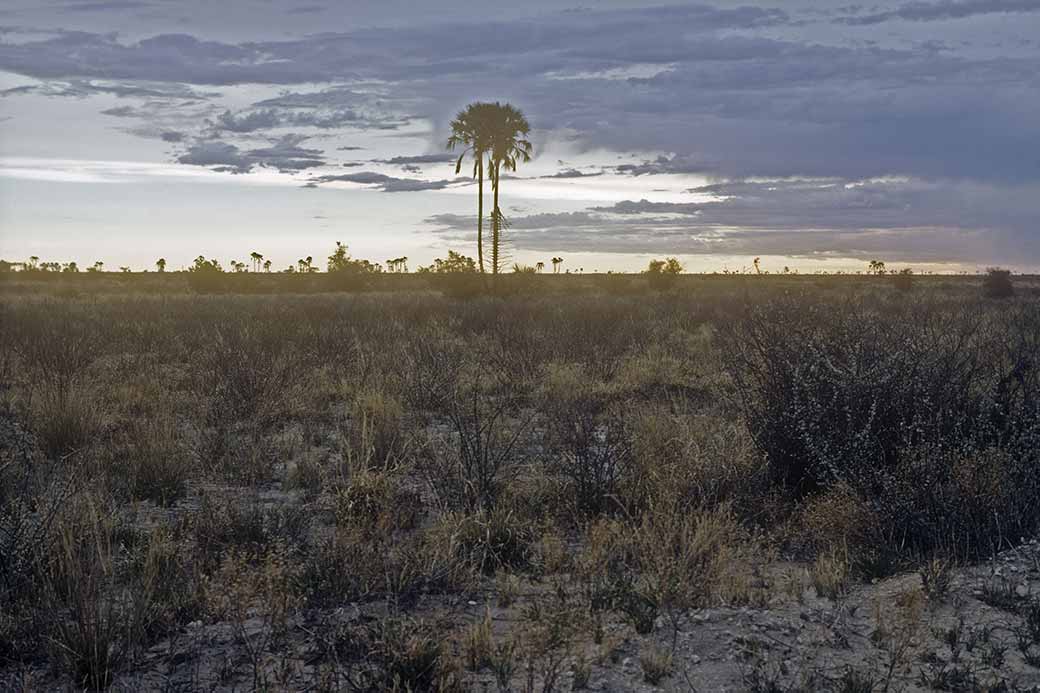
pixel 358 480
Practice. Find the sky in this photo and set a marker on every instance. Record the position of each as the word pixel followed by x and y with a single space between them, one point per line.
pixel 814 135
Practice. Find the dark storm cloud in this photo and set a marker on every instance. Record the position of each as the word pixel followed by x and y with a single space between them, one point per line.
pixel 725 103
pixel 726 92
pixel 932 11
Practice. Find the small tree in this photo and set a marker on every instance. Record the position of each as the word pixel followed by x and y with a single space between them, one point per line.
pixel 160 264
pixel 455 263
pixel 904 279
pixel 662 273
pixel 876 267
pixel 997 283
pixel 346 273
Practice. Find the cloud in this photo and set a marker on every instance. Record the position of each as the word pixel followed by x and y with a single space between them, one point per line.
pixel 732 101
pixel 949 9
pixel 728 93
pixel 121 112
pixel 221 155
pixel 106 5
pixel 284 154
pixel 327 109
pixel 387 183
pixel 420 159
pixel 85 88
pixel 900 220
pixel 306 9
pixel 574 173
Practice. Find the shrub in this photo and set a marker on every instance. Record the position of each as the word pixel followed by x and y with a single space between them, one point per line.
pixel 376 430
pixel 663 274
pixel 245 383
pixel 95 620
pixel 377 502
pixel 207 277
pixel 33 494
pixel 903 280
pixel 346 273
pixel 65 421
pixel 997 283
pixel 150 461
pixel 922 414
pixel 586 436
pixel 838 392
pixel 409 655
pixel 488 540
pixel 471 468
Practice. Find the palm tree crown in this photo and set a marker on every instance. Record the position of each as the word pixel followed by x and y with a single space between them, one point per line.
pixel 470 131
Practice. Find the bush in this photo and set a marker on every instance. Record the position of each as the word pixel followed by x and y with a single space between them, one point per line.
pixel 927 416
pixel 903 280
pixel 376 502
pixel 997 283
pixel 663 274
pixel 33 494
pixel 489 540
pixel 470 468
pixel 65 421
pixel 587 437
pixel 150 461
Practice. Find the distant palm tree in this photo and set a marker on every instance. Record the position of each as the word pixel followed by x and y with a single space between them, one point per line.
pixel 160 264
pixel 539 266
pixel 557 261
pixel 257 258
pixel 267 265
pixel 507 145
pixel 470 130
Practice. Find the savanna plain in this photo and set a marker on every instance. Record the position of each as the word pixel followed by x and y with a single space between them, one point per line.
pixel 545 483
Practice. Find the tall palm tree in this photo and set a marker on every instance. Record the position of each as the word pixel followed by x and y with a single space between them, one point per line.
pixel 470 131
pixel 507 146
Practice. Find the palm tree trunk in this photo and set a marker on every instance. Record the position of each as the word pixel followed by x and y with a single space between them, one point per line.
pixel 480 211
pixel 496 219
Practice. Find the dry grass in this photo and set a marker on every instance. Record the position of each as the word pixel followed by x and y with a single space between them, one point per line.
pixel 590 457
